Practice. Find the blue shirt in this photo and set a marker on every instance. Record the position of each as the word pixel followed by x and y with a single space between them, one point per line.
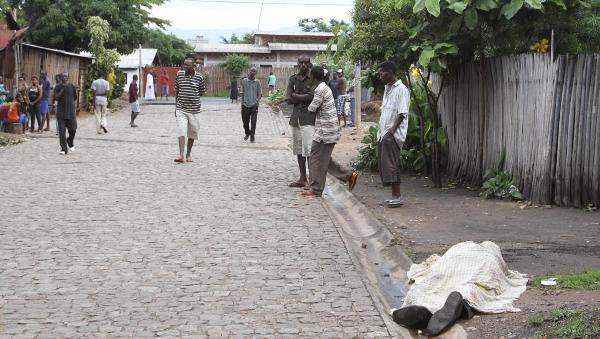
pixel 45 89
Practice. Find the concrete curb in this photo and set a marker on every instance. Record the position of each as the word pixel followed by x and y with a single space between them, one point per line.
pixel 382 264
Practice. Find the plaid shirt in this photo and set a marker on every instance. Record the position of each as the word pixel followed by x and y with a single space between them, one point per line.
pixel 327 126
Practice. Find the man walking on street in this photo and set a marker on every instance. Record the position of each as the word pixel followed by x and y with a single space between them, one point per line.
pixel 300 94
pixel 66 96
pixel 100 89
pixel 327 134
pixel 393 125
pixel 251 94
pixel 44 104
pixel 134 100
pixel 189 87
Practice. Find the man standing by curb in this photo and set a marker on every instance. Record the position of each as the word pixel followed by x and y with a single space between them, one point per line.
pixel 251 94
pixel 393 125
pixel 134 100
pixel 300 94
pixel 100 89
pixel 66 96
pixel 327 134
pixel 189 87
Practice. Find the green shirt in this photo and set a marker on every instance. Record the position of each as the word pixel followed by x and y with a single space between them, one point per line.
pixel 272 80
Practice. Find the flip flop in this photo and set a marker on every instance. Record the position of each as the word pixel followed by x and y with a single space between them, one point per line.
pixel 297 184
pixel 394 202
pixel 179 160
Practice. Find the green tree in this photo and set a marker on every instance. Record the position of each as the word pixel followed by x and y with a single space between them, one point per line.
pixel 438 35
pixel 61 23
pixel 247 38
pixel 105 64
pixel 171 49
pixel 319 24
pixel 236 63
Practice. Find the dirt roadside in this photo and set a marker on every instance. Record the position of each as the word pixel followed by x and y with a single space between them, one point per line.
pixel 536 240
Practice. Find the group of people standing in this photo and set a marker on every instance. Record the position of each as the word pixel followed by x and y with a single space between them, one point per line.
pixel 152 80
pixel 316 129
pixel 34 101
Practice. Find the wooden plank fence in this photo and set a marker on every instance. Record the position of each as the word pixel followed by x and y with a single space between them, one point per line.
pixel 218 79
pixel 542 114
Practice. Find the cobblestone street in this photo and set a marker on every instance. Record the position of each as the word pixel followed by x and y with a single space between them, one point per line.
pixel 117 240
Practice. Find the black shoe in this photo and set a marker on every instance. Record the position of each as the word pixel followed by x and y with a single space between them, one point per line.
pixel 252 138
pixel 454 309
pixel 246 137
pixel 104 129
pixel 415 317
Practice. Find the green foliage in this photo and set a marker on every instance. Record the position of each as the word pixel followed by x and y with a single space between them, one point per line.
pixel 117 85
pixel 500 186
pixel 588 280
pixel 367 153
pixel 566 323
pixel 278 96
pixel 319 25
pixel 9 141
pixel 106 59
pixel 171 49
pixel 247 38
pixel 61 24
pixel 236 63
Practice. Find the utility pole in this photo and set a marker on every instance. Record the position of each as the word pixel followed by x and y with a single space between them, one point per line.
pixel 357 96
pixel 141 82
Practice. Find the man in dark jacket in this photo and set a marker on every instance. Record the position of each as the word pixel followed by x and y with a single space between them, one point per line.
pixel 66 95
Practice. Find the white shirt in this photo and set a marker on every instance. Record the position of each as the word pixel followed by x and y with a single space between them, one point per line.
pixel 396 100
pixel 101 87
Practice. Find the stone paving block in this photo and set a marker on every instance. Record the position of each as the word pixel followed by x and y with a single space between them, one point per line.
pixel 123 242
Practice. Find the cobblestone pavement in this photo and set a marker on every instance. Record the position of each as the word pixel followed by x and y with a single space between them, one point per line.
pixel 116 240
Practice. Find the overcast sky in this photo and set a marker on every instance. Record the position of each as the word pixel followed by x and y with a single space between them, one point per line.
pixel 230 14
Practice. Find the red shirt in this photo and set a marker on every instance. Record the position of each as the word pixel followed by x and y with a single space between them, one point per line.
pixel 164 79
pixel 133 91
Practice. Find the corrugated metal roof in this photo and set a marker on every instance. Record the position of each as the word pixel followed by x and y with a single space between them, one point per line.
pixel 133 60
pixel 281 46
pixel 231 48
pixel 299 34
pixel 59 51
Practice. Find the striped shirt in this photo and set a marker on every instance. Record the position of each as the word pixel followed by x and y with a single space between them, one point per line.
pixel 188 90
pixel 327 126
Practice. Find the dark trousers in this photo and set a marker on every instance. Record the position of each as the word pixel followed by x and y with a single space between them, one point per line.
pixel 249 115
pixel 35 114
pixel 63 126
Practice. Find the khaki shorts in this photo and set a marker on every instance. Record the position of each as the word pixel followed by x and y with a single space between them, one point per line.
pixel 187 124
pixel 302 139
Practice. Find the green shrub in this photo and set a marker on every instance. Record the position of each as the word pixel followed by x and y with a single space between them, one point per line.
pixel 500 186
pixel 367 153
pixel 278 96
pixel 236 63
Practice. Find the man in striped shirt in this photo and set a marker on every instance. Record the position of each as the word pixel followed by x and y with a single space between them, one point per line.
pixel 189 87
pixel 327 134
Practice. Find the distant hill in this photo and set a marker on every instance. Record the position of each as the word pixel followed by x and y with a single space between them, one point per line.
pixel 213 35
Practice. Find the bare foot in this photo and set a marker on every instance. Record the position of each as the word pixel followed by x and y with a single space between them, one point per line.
pixel 188 159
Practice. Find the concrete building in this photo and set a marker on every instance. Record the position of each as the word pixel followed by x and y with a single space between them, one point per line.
pixel 130 63
pixel 270 50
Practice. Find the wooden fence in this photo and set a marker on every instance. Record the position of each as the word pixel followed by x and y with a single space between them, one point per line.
pixel 218 79
pixel 543 115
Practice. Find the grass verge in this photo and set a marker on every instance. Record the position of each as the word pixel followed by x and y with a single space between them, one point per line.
pixel 589 280
pixel 4 141
pixel 567 323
